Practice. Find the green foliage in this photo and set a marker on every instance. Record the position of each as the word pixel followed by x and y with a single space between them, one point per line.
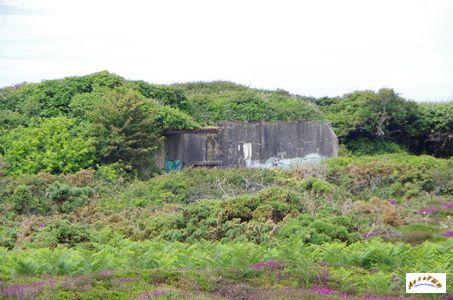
pixel 8 237
pixel 360 268
pixel 378 114
pixel 166 117
pixel 51 98
pixel 167 95
pixel 367 122
pixel 389 175
pixel 109 173
pixel 366 146
pixel 82 104
pixel 67 197
pixel 191 185
pixel 373 123
pixel 318 231
pixel 62 232
pixel 215 228
pixel 214 102
pixel 123 130
pixel 431 133
pixel 317 186
pixel 53 145
pixel 24 202
pixel 11 119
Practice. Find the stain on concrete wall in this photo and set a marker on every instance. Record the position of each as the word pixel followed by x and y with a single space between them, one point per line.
pixel 266 145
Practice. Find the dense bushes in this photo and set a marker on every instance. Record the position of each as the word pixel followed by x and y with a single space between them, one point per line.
pixel 321 230
pixel 123 130
pixel 308 228
pixel 373 193
pixel 375 123
pixel 65 120
pixel 432 131
pixel 244 104
pixel 62 232
pixel 394 175
pixel 378 114
pixel 67 197
pixel 55 145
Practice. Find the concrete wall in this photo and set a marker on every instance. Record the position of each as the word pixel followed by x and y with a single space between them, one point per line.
pixel 275 144
pixel 238 144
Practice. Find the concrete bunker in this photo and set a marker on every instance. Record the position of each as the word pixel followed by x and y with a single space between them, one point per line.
pixel 253 145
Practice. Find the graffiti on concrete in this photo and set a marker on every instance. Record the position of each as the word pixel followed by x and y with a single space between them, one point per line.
pixel 253 145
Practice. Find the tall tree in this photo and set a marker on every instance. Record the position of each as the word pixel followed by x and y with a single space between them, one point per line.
pixel 124 131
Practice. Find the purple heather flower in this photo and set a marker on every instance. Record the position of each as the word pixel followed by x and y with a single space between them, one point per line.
pixel 25 291
pixel 41 225
pixel 326 291
pixel 447 206
pixel 321 290
pixel 120 281
pixel 366 235
pixel 448 233
pixel 427 210
pixel 392 201
pixel 153 294
pixel 323 263
pixel 106 273
pixel 270 264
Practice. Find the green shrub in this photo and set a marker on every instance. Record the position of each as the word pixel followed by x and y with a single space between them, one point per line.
pixel 54 145
pixel 318 231
pixel 24 202
pixel 418 232
pixel 431 132
pixel 67 197
pixel 214 102
pixel 317 186
pixel 371 175
pixel 170 118
pixel 8 237
pixel 123 130
pixel 62 232
pixel 167 95
pixel 364 146
pixel 109 173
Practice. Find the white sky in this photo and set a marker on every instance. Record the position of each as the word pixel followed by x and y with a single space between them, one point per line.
pixel 317 47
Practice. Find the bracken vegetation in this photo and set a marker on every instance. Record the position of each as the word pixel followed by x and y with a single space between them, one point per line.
pixel 84 214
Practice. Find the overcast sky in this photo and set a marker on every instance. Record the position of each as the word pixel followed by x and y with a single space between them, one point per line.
pixel 317 47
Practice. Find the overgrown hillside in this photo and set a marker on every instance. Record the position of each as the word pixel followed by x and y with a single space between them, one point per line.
pixel 351 226
pixel 80 219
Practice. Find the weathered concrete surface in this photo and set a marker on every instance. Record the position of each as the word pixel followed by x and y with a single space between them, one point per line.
pixel 275 144
pixel 238 144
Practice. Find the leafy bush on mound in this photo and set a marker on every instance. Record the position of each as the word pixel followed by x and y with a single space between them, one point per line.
pixel 366 146
pixel 319 230
pixel 250 106
pixel 67 197
pixel 54 145
pixel 62 232
pixel 390 175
